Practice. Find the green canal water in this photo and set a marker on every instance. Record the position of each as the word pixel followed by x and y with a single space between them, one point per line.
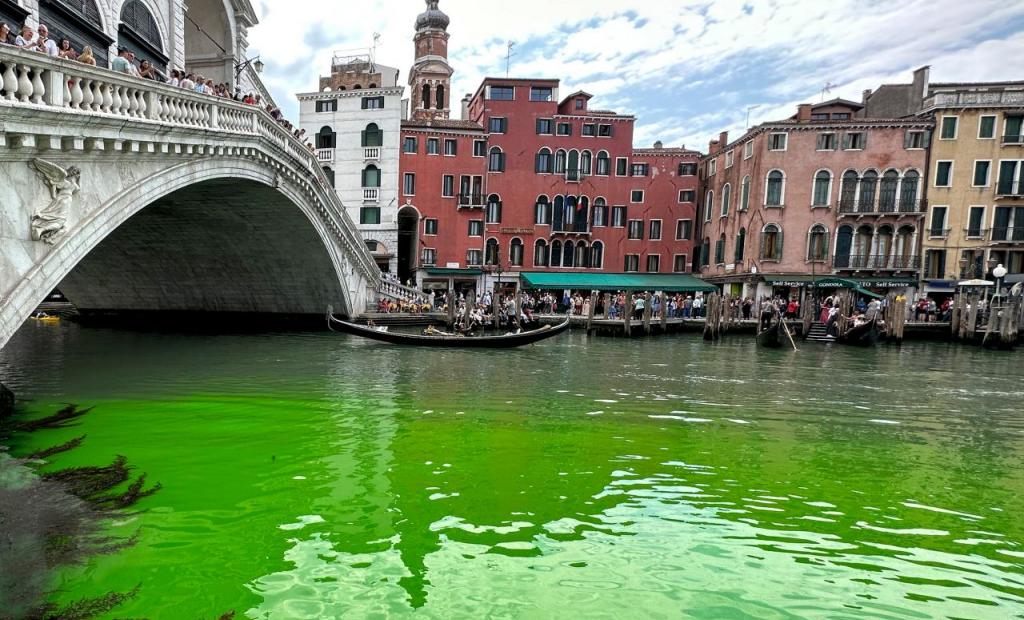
pixel 318 476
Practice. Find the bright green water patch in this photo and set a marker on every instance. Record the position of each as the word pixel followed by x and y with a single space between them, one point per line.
pixel 309 476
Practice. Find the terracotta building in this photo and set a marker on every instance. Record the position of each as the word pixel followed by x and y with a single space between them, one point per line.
pixel 826 192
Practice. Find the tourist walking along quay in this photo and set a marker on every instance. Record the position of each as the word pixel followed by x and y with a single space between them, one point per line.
pixel 467 310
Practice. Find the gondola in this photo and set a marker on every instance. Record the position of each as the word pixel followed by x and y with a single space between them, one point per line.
pixel 771 336
pixel 865 335
pixel 506 341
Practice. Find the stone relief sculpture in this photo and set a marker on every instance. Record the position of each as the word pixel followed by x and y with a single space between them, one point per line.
pixel 48 223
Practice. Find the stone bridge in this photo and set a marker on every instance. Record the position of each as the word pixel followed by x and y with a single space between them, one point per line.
pixel 182 202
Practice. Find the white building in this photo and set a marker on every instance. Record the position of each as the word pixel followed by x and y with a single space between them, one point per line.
pixel 355 123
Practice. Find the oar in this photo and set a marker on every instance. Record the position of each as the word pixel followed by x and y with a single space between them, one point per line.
pixel 786 327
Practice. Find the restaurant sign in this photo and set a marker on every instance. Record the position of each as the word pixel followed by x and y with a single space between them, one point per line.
pixel 508 230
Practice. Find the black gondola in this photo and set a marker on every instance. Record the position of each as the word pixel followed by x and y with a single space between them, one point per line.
pixel 864 335
pixel 771 336
pixel 506 341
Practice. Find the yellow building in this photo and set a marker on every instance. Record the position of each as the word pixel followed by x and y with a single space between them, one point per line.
pixel 975 219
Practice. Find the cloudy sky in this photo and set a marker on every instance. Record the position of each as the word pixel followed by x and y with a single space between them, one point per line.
pixel 686 68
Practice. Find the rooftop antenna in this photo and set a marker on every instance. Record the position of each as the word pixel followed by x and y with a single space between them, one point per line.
pixel 373 51
pixel 827 89
pixel 508 56
pixel 749 108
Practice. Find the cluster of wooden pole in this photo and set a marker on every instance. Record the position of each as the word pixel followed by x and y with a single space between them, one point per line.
pixel 714 316
pixel 895 317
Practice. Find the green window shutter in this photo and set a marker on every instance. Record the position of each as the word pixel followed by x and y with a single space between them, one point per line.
pixel 778 245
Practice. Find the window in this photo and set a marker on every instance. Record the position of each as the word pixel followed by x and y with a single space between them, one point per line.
pixel 409 184
pixel 597 255
pixel 373 103
pixel 429 226
pixel 841 116
pixel 943 174
pixel 589 130
pixel 603 167
pixel 684 230
pixel 372 136
pixel 817 243
pixel 720 250
pixel 975 222
pixel 748 150
pixel 540 253
pixel 937 228
pixel 543 164
pixel 655 232
pixel 451 148
pixel 826 142
pixel 986 127
pixel 542 211
pixel 887 193
pixel 777 141
pixel 496 161
pixel 326 138
pixel 409 145
pixel 776 189
pixel 726 198
pixel 1011 178
pixel 600 215
pixel 581 103
pixel 854 141
pixel 729 158
pixel 705 252
pixel 448 186
pixel 433 146
pixel 1008 224
pixel 822 188
pixel 632 263
pixel 679 263
pixel 479 148
pixel 371 176
pixel 476 228
pixel 1013 129
pixel 636 229
pixel 712 167
pixel 636 196
pixel 653 263
pixel 586 162
pixel 474 258
pixel 638 170
pixel 369 215
pixel 618 217
pixel 745 193
pixel 948 128
pixel 687 195
pixel 564 129
pixel 771 243
pixel 819 116
pixel 429 256
pixel 915 140
pixel 604 131
pixel 741 242
pixel 981 173
pixel 493 215
pixel 540 93
pixel 492 252
pixel 544 127
pixel 709 199
pixel 935 264
pixel 560 158
pixel 515 252
pixel 497 124
pixel 327 106
pixel 503 93
pixel 621 166
pixel 688 170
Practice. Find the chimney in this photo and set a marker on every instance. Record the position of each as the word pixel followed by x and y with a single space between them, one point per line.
pixel 864 96
pixel 723 139
pixel 712 146
pixel 803 112
pixel 465 106
pixel 658 145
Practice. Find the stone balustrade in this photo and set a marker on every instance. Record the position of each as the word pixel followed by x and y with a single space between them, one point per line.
pixel 394 290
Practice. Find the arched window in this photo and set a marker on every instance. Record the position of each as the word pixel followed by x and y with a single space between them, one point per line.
pixel 817 243
pixel 600 213
pixel 556 253
pixel 709 200
pixel 425 103
pixel 373 136
pixel 572 172
pixel 905 244
pixel 139 21
pixel 568 254
pixel 329 173
pixel 720 250
pixel 745 194
pixel 357 87
pixel 515 252
pixel 440 97
pixel 579 218
pixel 582 255
pixel 883 247
pixel 862 243
pixel 844 243
pixel 776 189
pixel 543 165
pixel 540 253
pixel 908 192
pixel 887 193
pixel 493 210
pixel 822 188
pixel 496 160
pixel 326 138
pixel 491 253
pixel 868 188
pixel 585 163
pixel 570 211
pixel 604 164
pixel 771 243
pixel 371 176
pixel 741 241
pixel 705 252
pixel 597 255
pixel 558 218
pixel 542 211
pixel 560 161
pixel 848 192
pixel 726 197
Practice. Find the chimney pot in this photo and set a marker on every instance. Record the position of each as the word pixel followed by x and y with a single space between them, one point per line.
pixel 803 112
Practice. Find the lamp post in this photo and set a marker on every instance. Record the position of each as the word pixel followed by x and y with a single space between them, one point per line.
pixel 254 62
pixel 999 272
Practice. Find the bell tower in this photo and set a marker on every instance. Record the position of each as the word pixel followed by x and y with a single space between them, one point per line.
pixel 431 75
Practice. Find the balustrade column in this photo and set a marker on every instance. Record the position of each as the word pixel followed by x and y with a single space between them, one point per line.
pixel 215 116
pixel 56 88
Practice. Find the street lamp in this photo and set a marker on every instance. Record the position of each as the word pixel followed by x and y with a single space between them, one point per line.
pixel 999 272
pixel 254 62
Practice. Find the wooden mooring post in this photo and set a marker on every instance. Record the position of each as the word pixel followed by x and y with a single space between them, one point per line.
pixel 593 307
pixel 648 310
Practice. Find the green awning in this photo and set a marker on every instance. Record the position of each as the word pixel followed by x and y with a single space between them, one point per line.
pixel 867 293
pixel 448 271
pixel 886 282
pixel 615 281
pixel 838 282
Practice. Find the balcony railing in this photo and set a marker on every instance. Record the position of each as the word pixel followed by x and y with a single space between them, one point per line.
pixel 938 233
pixel 1008 234
pixel 371 153
pixel 877 262
pixel 324 155
pixel 1013 139
pixel 371 194
pixel 1010 188
pixel 580 227
pixel 976 233
pixel 471 201
pixel 883 206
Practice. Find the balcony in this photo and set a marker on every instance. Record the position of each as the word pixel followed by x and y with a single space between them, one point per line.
pixel 325 155
pixel 877 262
pixel 886 205
pixel 471 201
pixel 573 175
pixel 1010 189
pixel 572 228
pixel 1007 234
pixel 976 233
pixel 1013 139
pixel 371 153
pixel 371 194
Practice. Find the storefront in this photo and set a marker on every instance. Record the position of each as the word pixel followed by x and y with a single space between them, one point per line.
pixel 809 288
pixel 441 279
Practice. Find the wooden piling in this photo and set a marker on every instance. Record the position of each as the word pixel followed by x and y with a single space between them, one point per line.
pixel 590 311
pixel 647 313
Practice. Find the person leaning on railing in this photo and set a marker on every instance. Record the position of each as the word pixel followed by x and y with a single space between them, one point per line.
pixel 5 34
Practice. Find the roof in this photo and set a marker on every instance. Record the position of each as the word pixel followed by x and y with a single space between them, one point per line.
pixel 615 281
pixel 838 101
pixel 443 124
pixel 578 93
pixel 667 152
